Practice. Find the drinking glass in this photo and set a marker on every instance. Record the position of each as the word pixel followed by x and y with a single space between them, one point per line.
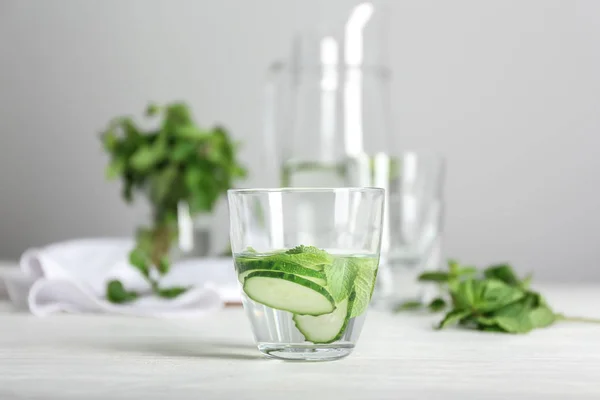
pixel 306 278
pixel 412 227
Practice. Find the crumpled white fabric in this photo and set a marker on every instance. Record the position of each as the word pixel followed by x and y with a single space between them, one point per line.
pixel 71 277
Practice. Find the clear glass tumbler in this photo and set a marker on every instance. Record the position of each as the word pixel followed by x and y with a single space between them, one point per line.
pixel 307 278
pixel 413 226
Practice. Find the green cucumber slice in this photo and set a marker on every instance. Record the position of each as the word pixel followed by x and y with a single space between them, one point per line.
pixel 288 292
pixel 319 281
pixel 247 266
pixel 326 328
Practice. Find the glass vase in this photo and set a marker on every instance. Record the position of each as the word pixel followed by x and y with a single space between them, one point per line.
pixel 180 237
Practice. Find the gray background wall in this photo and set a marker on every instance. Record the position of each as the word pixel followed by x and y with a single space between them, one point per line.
pixel 507 90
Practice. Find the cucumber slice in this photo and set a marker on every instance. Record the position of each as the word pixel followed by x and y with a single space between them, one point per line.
pixel 326 328
pixel 319 281
pixel 247 266
pixel 288 292
pixel 316 262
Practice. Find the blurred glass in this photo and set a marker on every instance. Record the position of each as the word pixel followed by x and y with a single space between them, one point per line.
pixel 328 102
pixel 414 218
pixel 183 237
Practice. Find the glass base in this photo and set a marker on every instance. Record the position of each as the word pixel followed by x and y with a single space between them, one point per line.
pixel 306 352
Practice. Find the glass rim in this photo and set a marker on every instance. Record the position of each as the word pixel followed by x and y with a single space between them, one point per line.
pixel 366 189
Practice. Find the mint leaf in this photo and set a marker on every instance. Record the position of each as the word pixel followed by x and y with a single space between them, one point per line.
pixel 463 293
pixel 526 281
pixel 340 276
pixel 456 270
pixel 302 249
pixel 364 283
pixel 138 259
pixel 163 265
pixel 305 256
pixel 504 273
pixel 434 277
pixel 542 317
pixel 437 305
pixel 483 295
pixel 497 294
pixel 115 168
pixel 453 317
pixel 172 292
pixel 514 318
pixel 409 306
pixel 116 293
pixel 152 110
pixel 492 300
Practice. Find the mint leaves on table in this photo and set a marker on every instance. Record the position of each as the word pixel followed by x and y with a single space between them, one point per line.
pixel 494 299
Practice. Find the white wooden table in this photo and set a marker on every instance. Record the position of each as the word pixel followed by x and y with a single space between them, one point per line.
pixel 398 357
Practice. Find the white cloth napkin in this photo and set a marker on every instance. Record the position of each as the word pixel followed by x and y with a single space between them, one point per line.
pixel 71 277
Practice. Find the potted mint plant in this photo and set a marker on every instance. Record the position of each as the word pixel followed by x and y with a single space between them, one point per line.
pixel 181 170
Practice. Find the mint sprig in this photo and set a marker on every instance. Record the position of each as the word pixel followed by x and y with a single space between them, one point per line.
pixel 178 162
pixel 344 274
pixel 494 299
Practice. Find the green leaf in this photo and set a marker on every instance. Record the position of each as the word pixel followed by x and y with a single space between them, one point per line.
pixel 497 294
pixel 364 283
pixel 504 273
pixel 437 305
pixel 139 259
pixel 172 292
pixel 115 168
pixel 191 132
pixel 145 157
pixel 526 282
pixel 542 317
pixel 483 321
pixel 409 306
pixel 178 114
pixel 307 256
pixel 434 276
pixel 453 317
pixel 340 276
pixel 194 176
pixel 162 183
pixel 163 265
pixel 183 150
pixel 456 270
pixel 116 293
pixel 465 272
pixel 152 110
pixel 514 318
pixel 453 267
pixel 492 328
pixel 463 294
pixel 110 140
pixel 307 250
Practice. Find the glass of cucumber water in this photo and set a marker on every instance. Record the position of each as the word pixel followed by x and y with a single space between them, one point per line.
pixel 306 260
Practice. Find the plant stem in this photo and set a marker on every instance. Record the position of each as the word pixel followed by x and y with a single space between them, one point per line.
pixel 161 242
pixel 561 317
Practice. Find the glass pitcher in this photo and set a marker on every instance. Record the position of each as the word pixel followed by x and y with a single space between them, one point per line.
pixel 327 114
